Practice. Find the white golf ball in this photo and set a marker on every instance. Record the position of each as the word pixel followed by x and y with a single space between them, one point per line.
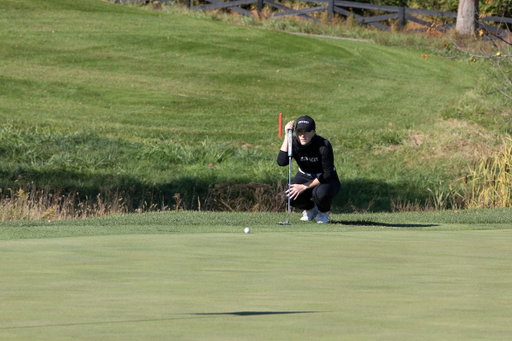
pixel 247 230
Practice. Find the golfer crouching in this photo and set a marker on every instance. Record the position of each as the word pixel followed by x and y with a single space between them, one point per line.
pixel 317 178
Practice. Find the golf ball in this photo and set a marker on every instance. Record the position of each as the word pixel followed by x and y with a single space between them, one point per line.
pixel 247 230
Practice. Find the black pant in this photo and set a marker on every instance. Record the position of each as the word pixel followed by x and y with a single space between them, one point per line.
pixel 322 194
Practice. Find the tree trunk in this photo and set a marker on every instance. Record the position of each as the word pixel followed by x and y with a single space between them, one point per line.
pixel 467 16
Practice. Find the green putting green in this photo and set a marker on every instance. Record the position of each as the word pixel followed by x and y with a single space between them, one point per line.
pixel 388 284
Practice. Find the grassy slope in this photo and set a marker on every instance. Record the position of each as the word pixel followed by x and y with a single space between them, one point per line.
pixel 86 103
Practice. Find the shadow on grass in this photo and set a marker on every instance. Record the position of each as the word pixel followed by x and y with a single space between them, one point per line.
pixel 374 223
pixel 135 191
pixel 257 313
pixel 176 317
pixel 356 195
pixel 368 195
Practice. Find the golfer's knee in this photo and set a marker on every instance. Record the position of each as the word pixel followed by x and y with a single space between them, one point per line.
pixel 321 195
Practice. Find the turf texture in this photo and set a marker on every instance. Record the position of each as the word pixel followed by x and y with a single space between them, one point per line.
pixel 96 279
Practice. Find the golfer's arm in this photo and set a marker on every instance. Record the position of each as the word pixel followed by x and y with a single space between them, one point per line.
pixel 282 157
pixel 315 183
pixel 284 146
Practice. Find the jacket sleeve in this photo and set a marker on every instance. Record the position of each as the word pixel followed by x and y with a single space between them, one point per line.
pixel 282 158
pixel 327 163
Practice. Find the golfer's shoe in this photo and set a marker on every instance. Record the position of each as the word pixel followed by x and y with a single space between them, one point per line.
pixel 308 215
pixel 322 218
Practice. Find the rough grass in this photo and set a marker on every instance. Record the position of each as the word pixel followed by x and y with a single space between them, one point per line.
pixel 97 97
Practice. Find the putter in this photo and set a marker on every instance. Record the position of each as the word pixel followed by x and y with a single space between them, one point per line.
pixel 290 135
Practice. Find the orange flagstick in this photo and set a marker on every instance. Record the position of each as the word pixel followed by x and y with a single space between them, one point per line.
pixel 280 125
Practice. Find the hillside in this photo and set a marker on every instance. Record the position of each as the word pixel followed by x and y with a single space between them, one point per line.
pixel 98 97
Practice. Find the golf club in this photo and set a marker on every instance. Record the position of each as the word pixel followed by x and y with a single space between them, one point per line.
pixel 290 135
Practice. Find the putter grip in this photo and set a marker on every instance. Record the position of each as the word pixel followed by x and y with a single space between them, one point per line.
pixel 290 137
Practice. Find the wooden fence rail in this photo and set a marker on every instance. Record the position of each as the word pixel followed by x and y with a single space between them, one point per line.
pixel 344 8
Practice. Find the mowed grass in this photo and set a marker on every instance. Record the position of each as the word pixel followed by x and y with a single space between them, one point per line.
pixel 102 114
pixel 95 96
pixel 176 276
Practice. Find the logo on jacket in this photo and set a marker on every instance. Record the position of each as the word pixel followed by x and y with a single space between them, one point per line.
pixel 305 158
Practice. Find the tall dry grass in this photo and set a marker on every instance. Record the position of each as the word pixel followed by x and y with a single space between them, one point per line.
pixel 45 204
pixel 488 183
pixel 252 197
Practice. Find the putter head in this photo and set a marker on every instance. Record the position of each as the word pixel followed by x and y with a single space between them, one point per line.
pixel 284 223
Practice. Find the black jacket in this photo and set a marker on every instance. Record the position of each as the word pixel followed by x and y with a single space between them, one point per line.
pixel 316 157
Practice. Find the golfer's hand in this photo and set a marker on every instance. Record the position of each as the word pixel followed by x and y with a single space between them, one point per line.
pixel 288 126
pixel 295 190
